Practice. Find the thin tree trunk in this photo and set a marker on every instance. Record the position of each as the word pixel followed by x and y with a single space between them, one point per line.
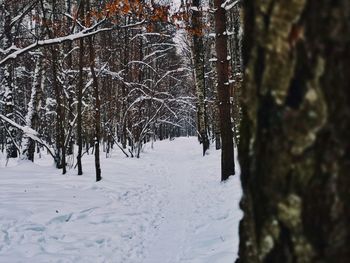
pixel 97 106
pixel 7 82
pixel 222 67
pixel 57 87
pixel 33 109
pixel 235 54
pixel 198 59
pixel 80 94
pixel 70 89
pixel 60 151
pixel 124 120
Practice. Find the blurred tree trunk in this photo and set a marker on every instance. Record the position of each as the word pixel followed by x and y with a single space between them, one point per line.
pixel 295 145
pixel 222 68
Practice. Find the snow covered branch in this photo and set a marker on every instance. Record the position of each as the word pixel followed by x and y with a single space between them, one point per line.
pixel 87 32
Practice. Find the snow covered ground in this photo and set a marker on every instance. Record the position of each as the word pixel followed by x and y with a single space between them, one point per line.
pixel 168 207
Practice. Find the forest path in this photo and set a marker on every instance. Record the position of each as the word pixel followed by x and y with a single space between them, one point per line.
pixel 194 215
pixel 172 236
pixel 166 207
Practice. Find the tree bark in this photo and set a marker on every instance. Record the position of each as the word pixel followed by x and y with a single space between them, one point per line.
pixel 222 68
pixel 295 148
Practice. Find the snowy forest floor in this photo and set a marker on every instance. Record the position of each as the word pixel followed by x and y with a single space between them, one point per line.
pixel 168 207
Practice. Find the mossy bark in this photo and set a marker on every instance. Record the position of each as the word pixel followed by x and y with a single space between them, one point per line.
pixel 295 149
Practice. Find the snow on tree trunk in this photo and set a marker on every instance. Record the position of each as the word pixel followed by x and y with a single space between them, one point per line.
pixel 32 113
pixel 6 75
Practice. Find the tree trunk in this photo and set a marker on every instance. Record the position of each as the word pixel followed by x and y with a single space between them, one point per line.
pixel 198 59
pixel 126 58
pixel 295 145
pixel 49 17
pixel 80 94
pixel 60 133
pixel 235 64
pixel 7 82
pixel 33 109
pixel 97 106
pixel 70 90
pixel 222 68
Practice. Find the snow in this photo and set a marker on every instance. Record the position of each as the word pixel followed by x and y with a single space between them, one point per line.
pixel 167 206
pixel 228 4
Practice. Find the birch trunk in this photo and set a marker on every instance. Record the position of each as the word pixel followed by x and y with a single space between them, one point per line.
pixel 32 113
